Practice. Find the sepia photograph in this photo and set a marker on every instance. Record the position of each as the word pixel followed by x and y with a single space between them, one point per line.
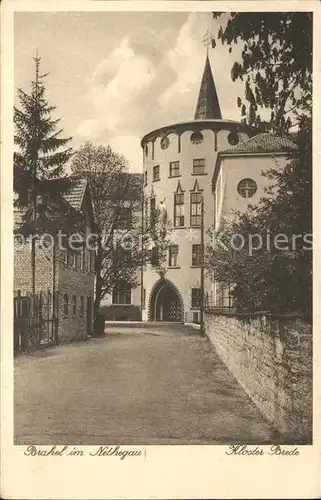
pixel 162 232
pixel 163 228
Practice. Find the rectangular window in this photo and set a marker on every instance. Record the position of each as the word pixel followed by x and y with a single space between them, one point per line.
pixel 81 306
pixel 121 256
pixel 72 258
pixel 82 258
pixel 121 296
pixel 196 209
pixel 124 217
pixel 154 256
pixel 65 256
pixel 174 169
pixel 173 255
pixel 196 297
pixel 179 209
pixel 199 166
pixel 66 305
pixel 156 173
pixel 196 255
pixel 74 306
pixel 152 211
pixel 144 298
pixel 145 178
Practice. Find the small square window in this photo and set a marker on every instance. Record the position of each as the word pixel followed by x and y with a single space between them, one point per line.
pixel 174 169
pixel 199 166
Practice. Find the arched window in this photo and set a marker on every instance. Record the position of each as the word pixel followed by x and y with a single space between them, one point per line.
pixel 164 142
pixel 197 138
pixel 247 188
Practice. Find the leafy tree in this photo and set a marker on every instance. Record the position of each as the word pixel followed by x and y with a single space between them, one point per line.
pixel 275 63
pixel 277 70
pixel 124 243
pixel 40 156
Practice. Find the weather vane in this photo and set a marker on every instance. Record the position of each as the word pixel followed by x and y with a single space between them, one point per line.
pixel 207 39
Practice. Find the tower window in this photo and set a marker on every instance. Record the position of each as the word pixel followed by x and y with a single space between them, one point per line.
pixel 196 209
pixel 197 138
pixel 173 255
pixel 164 142
pixel 156 173
pixel 196 255
pixel 196 297
pixel 247 188
pixel 199 166
pixel 174 169
pixel 145 178
pixel 233 138
pixel 179 209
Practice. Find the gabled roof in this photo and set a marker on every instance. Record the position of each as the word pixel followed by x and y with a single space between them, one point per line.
pixel 73 198
pixel 208 106
pixel 263 143
pixel 76 193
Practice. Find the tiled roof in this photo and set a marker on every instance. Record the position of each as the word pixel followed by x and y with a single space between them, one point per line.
pixel 208 106
pixel 76 193
pixel 74 198
pixel 263 143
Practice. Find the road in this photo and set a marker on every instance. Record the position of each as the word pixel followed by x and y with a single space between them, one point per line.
pixel 151 385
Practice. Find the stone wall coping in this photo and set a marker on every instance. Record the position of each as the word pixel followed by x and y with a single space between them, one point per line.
pixel 215 312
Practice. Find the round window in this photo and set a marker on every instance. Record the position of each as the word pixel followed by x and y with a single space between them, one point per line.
pixel 233 138
pixel 247 188
pixel 164 142
pixel 197 138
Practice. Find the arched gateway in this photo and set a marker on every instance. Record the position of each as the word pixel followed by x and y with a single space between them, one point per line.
pixel 166 303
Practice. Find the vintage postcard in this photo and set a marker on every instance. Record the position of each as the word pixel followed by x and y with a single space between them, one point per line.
pixel 160 274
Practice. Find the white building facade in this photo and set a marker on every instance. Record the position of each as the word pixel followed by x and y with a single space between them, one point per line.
pixel 212 161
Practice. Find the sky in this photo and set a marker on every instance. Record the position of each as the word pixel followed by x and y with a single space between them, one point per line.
pixel 115 76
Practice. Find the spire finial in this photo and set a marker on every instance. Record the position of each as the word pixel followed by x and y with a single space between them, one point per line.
pixel 207 40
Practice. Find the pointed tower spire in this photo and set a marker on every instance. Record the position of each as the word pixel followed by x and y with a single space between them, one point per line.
pixel 208 106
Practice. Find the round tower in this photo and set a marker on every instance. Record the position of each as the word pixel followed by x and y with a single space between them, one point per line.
pixel 178 166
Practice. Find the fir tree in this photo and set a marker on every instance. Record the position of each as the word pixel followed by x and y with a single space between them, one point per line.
pixel 40 157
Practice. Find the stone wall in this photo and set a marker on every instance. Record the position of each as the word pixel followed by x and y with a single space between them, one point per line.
pixel 271 357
